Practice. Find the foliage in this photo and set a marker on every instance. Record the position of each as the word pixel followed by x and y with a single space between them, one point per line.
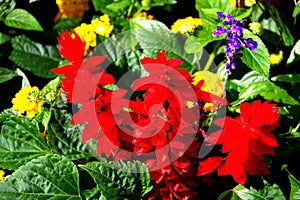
pixel 54 154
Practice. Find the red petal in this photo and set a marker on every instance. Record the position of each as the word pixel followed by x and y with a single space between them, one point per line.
pixel 209 165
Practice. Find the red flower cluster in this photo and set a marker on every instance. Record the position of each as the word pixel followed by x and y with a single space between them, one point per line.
pixel 160 129
pixel 245 140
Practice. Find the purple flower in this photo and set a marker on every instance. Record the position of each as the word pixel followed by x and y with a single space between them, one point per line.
pixel 234 36
pixel 249 43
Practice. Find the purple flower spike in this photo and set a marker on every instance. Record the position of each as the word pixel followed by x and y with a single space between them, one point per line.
pixel 249 43
pixel 219 30
pixel 220 15
pixel 234 37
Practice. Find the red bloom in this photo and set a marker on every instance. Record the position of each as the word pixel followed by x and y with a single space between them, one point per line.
pixel 245 139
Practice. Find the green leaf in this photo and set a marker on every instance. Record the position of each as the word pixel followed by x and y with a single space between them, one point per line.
pixel 295 187
pixel 120 180
pixel 288 38
pixel 47 177
pixel 247 79
pixel 4 38
pixel 25 81
pixel 35 57
pixel 20 142
pixel 297 9
pixel 267 90
pixel 65 138
pixel 50 90
pixel 43 117
pixel 294 78
pixel 295 53
pixel 119 5
pixel 66 24
pixel 91 194
pixel 154 35
pixel 258 59
pixel 6 74
pixel 6 6
pixel 19 18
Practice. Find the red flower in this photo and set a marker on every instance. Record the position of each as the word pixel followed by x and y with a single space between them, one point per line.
pixel 245 139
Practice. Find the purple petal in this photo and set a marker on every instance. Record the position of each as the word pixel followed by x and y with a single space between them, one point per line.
pixel 220 15
pixel 251 44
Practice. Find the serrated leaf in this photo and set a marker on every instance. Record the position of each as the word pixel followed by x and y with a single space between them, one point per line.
pixel 257 59
pixel 64 138
pixel 91 194
pixel 247 79
pixel 154 35
pixel 20 142
pixel 267 90
pixel 51 87
pixel 4 38
pixel 35 57
pixel 19 18
pixel 294 78
pixel 295 53
pixel 120 180
pixel 47 177
pixel 6 74
pixel 43 117
pixel 194 44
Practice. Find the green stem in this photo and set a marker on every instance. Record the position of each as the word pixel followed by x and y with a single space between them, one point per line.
pixel 212 56
pixel 130 8
pixel 296 128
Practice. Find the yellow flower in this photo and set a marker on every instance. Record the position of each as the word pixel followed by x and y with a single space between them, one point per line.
pixel 102 25
pixel 248 3
pixel 71 8
pixel 186 26
pixel 2 175
pixel 87 32
pixel 27 100
pixel 256 28
pixel 144 15
pixel 275 59
pixel 212 83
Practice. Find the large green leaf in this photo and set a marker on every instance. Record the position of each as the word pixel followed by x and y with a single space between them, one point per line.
pixel 257 59
pixel 293 78
pixel 35 57
pixel 247 79
pixel 19 18
pixel 6 74
pixel 295 187
pixel 267 90
pixel 64 138
pixel 241 192
pixel 120 180
pixel 20 142
pixel 154 35
pixel 47 177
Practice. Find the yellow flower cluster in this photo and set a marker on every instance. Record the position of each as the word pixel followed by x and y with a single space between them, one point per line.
pixel 1 175
pixel 71 8
pixel 27 100
pixel 187 25
pixel 87 32
pixel 248 3
pixel 256 28
pixel 212 84
pixel 275 59
pixel 144 15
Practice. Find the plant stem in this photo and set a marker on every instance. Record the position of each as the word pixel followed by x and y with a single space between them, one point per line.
pixel 212 56
pixel 130 8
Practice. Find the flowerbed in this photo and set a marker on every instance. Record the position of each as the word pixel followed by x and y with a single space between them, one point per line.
pixel 114 100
